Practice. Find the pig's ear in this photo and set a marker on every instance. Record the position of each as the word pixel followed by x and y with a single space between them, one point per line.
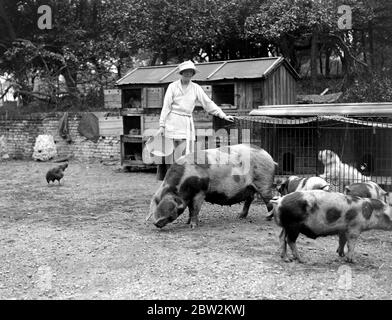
pixel 274 200
pixel 277 183
pixel 181 203
pixel 326 187
pixel 153 206
pixel 388 211
pixel 346 189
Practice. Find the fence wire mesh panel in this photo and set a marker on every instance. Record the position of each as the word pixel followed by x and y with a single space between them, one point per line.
pixel 343 150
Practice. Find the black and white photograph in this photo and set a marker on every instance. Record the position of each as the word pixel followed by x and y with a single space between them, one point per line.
pixel 207 152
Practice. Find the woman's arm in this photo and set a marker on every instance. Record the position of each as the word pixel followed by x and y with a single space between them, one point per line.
pixel 167 102
pixel 210 105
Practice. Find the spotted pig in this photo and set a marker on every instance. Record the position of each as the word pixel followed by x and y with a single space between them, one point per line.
pixel 367 189
pixel 316 213
pixel 224 176
pixel 294 183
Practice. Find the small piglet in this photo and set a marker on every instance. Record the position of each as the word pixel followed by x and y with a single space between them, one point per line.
pixel 317 213
pixel 367 189
pixel 294 183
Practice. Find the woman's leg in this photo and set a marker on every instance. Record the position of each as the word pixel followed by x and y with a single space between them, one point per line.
pixel 162 169
pixel 179 149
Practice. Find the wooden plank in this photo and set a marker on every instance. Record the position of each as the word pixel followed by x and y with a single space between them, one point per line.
pixel 112 92
pixel 154 97
pixel 242 96
pixel 144 98
pixel 151 125
pixel 132 139
pixel 277 93
pixel 265 92
pixel 285 90
pixel 122 151
pixel 112 98
pixel 112 105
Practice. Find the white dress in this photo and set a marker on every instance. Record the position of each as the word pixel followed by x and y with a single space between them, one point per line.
pixel 178 105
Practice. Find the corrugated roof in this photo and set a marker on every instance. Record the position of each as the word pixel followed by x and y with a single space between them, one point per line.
pixel 371 109
pixel 208 71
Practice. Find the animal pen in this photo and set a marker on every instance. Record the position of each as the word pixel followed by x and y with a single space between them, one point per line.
pixel 359 134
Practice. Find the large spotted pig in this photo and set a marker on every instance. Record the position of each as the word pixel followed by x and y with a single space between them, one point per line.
pixel 224 176
pixel 317 213
pixel 294 183
pixel 367 189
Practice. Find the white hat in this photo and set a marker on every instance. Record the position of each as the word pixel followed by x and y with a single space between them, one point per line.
pixel 160 146
pixel 187 65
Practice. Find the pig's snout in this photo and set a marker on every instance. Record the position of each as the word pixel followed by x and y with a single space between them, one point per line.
pixel 160 223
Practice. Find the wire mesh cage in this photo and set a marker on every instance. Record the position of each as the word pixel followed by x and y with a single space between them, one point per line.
pixel 341 149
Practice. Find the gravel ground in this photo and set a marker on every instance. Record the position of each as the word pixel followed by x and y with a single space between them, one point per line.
pixel 88 239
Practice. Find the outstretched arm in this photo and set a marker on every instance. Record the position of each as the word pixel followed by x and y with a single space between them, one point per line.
pixel 210 105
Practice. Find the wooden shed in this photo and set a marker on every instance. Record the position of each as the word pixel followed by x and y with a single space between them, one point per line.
pixel 237 86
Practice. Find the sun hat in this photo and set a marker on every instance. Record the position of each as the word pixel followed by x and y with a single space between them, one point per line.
pixel 160 146
pixel 187 65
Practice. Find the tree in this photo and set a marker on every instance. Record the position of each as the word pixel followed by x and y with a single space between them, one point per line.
pixel 88 37
pixel 311 25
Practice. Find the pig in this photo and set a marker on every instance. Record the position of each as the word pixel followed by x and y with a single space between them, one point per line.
pixel 367 189
pixel 294 183
pixel 317 213
pixel 337 171
pixel 225 176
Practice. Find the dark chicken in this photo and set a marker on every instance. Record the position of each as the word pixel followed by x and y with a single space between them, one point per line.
pixel 56 173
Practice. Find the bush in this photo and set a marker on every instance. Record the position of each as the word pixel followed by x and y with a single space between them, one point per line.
pixel 371 87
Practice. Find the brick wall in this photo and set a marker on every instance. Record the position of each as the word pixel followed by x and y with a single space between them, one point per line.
pixel 20 135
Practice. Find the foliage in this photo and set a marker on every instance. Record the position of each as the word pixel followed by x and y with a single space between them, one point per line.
pixel 370 87
pixel 91 37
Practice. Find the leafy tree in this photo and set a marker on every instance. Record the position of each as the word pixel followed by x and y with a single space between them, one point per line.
pixel 87 38
pixel 370 87
pixel 294 25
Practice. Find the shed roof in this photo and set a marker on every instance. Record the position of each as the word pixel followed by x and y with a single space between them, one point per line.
pixel 365 109
pixel 209 71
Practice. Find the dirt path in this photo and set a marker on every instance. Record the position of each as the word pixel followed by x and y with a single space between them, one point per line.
pixel 88 239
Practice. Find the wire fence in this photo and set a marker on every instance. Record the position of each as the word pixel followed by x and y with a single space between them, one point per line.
pixel 342 149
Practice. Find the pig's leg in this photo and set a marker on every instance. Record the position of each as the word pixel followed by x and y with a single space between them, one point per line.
pixel 351 241
pixel 245 209
pixel 283 246
pixel 270 209
pixel 342 243
pixel 194 209
pixel 292 236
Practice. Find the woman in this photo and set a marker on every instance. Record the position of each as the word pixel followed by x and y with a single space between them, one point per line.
pixel 176 121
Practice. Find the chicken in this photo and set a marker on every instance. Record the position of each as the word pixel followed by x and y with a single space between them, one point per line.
pixel 56 173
